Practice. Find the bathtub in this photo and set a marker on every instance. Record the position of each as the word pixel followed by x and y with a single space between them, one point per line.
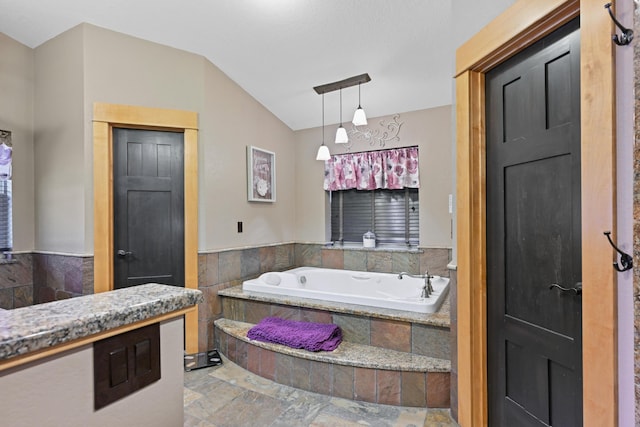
pixel 383 290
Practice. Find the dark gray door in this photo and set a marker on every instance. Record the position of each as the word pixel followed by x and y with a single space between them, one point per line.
pixel 148 205
pixel 534 236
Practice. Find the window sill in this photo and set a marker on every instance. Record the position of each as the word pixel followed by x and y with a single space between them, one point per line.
pixel 385 247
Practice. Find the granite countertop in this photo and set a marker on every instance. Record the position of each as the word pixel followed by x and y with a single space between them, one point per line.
pixel 40 326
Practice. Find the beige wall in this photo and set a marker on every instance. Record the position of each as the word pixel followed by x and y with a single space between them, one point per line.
pixel 59 152
pixel 89 64
pixel 119 69
pixel 429 129
pixel 469 18
pixel 230 121
pixel 16 115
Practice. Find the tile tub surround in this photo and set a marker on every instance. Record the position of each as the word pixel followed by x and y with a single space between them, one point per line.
pixel 417 333
pixel 394 350
pixel 352 371
pixel 348 353
pixel 220 270
pixel 42 326
pixel 300 308
pixel 223 269
pixel 379 259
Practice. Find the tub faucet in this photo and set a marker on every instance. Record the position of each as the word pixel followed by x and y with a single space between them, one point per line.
pixel 427 288
pixel 415 276
pixel 404 273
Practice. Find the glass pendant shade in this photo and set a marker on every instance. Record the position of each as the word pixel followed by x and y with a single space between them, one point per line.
pixel 341 135
pixel 323 153
pixel 359 117
pixel 323 150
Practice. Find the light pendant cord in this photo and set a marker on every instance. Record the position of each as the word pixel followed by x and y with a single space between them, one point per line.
pixel 340 107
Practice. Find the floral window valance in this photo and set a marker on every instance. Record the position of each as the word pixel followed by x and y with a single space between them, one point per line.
pixel 370 170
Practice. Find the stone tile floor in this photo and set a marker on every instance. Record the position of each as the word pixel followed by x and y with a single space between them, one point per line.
pixel 229 396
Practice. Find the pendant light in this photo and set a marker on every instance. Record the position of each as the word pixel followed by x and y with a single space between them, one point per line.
pixel 359 117
pixel 323 150
pixel 341 133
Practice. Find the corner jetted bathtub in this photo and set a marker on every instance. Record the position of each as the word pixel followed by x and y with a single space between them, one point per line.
pixel 382 290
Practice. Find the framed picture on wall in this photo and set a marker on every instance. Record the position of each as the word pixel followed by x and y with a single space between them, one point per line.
pixel 261 175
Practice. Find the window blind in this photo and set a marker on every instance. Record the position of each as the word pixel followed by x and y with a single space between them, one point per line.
pixel 391 214
pixel 6 238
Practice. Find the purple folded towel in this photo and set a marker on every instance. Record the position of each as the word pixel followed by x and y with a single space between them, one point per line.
pixel 307 335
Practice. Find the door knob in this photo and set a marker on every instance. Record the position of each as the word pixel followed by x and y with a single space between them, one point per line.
pixel 123 253
pixel 577 288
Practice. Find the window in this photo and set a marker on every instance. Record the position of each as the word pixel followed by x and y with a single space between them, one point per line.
pixel 374 191
pixel 6 237
pixel 6 240
pixel 391 214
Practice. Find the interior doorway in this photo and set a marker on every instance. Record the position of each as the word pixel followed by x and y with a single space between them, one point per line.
pixel 520 26
pixel 534 268
pixel 148 207
pixel 106 117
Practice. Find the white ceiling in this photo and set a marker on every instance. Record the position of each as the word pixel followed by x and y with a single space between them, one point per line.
pixel 277 50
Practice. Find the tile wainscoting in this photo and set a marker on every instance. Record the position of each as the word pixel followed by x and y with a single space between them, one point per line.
pixel 34 278
pixel 16 282
pixel 415 261
pixel 57 277
pixel 225 269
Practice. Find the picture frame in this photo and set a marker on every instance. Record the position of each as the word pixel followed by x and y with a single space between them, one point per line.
pixel 261 175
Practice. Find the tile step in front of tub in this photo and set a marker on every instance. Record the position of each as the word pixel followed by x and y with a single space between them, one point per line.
pixel 428 336
pixel 352 371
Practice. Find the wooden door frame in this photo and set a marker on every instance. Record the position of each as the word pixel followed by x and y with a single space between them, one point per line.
pixel 519 26
pixel 105 117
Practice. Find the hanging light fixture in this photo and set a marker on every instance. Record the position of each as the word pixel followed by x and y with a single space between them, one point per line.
pixel 341 133
pixel 359 117
pixel 323 150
